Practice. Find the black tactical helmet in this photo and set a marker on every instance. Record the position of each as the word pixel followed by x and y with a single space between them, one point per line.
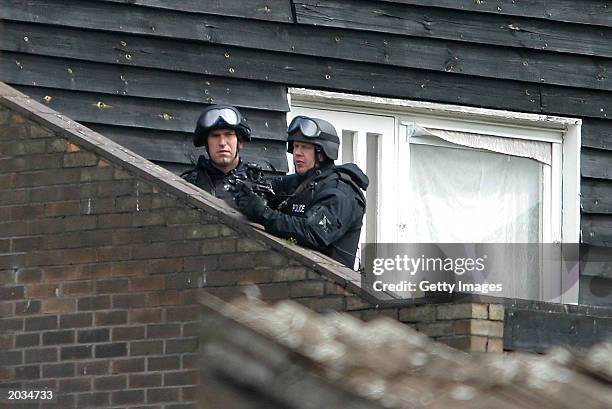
pixel 315 131
pixel 220 117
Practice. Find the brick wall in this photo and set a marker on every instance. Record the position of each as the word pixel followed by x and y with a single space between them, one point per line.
pixel 102 255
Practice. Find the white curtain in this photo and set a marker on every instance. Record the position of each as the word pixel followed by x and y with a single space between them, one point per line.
pixel 463 195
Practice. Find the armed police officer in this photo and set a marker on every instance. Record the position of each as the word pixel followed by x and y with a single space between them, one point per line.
pixel 321 206
pixel 223 130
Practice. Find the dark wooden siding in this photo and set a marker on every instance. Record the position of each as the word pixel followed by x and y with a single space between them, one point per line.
pixel 141 70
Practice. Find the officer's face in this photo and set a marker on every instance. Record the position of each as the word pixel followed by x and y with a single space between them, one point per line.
pixel 222 147
pixel 303 157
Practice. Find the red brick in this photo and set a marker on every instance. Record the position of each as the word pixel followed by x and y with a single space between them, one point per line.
pixel 29 275
pixel 187 280
pixel 145 315
pixel 163 395
pixel 79 256
pixel 495 345
pixel 76 352
pixel 113 253
pixel 171 297
pixel 145 380
pixel 154 283
pixel 191 329
pixel 117 349
pixel 27 340
pixel 61 305
pixel 98 270
pixel 115 285
pixel 128 268
pixel 128 397
pixel 128 333
pixel 26 244
pixel 111 318
pixel 99 302
pixel 164 363
pixel 186 313
pixel 11 357
pixel 75 385
pixel 12 293
pixel 177 346
pixel 190 361
pixel 27 372
pixel 42 290
pixel 146 348
pixel 27 307
pixel 129 300
pixel 78 320
pixel 166 265
pixel 163 330
pixel 40 355
pixel 71 208
pixel 63 273
pixel 7 374
pixel 114 220
pixel 39 323
pixel 79 159
pixel 97 367
pixel 190 377
pixel 108 383
pixel 77 288
pixel 58 337
pixel 63 370
pixel 6 341
pixel 95 400
pixel 7 277
pixel 88 336
pixel 128 365
pixel 190 393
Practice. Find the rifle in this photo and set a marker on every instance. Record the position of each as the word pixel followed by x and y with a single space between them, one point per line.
pixel 254 179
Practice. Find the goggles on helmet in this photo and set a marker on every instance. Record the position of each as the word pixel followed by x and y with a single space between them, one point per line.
pixel 218 116
pixel 306 126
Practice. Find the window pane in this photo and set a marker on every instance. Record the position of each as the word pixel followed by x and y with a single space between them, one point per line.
pixel 462 195
pixel 471 196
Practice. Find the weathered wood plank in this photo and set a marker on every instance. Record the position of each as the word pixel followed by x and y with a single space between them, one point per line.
pixel 596 229
pixel 596 196
pixel 433 54
pixel 579 102
pixel 538 331
pixel 595 12
pixel 595 291
pixel 146 113
pixel 40 71
pixel 177 147
pixel 596 261
pixel 293 70
pixel 597 134
pixel 455 25
pixel 271 10
pixel 596 164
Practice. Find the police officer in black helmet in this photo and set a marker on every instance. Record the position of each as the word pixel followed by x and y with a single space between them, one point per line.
pixel 223 131
pixel 321 206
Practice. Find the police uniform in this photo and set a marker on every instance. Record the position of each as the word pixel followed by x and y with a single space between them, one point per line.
pixel 209 178
pixel 322 208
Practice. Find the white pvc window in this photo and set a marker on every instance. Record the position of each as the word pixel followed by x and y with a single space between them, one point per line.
pixel 441 173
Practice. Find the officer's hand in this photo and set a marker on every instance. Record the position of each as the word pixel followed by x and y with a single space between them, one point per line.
pixel 251 205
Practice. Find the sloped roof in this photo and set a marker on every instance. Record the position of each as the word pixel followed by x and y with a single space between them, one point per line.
pixel 290 355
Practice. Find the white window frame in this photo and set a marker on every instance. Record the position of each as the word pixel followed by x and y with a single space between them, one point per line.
pixel 561 208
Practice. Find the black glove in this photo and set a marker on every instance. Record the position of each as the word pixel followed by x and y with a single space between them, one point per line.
pixel 251 205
